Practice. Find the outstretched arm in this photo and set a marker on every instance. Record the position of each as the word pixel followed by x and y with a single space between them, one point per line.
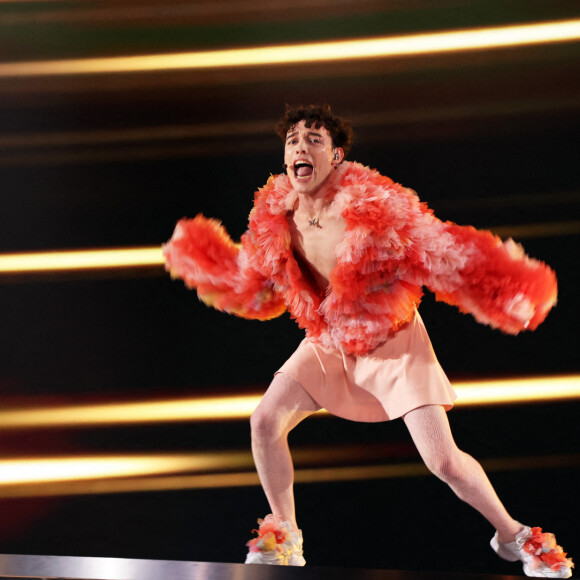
pixel 202 254
pixel 474 270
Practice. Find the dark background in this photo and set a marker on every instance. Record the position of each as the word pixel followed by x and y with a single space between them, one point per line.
pixel 488 138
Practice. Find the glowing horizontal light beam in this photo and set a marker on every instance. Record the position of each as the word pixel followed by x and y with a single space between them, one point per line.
pixel 178 410
pixel 523 390
pixel 382 47
pixel 75 476
pixel 42 470
pixel 54 261
pixel 539 230
pixel 240 407
pixel 81 259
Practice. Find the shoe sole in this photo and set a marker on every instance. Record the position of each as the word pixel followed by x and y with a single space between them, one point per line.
pixel 547 573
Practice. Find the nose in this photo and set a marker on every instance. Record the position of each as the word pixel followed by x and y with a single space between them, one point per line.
pixel 301 144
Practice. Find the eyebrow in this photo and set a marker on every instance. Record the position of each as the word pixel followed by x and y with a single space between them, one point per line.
pixel 310 133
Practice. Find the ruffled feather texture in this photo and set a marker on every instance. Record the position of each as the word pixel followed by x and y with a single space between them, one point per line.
pixel 545 551
pixel 393 245
pixel 500 285
pixel 202 254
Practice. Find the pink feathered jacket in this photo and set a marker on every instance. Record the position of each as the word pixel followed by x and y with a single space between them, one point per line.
pixel 393 246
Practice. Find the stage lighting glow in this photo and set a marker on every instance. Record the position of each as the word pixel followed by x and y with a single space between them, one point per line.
pixel 369 48
pixel 63 260
pixel 240 407
pixel 42 470
pixel 177 410
pixel 523 390
pixel 81 259
pixel 128 474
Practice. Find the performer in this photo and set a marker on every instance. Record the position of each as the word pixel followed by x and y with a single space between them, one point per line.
pixel 346 251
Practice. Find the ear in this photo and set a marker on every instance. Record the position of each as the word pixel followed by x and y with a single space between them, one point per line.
pixel 337 155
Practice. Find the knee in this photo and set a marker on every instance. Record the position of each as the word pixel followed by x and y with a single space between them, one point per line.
pixel 449 467
pixel 265 426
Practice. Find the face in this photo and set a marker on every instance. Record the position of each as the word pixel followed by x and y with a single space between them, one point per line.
pixel 310 157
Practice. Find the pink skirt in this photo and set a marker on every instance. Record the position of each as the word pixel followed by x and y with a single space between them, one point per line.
pixel 400 375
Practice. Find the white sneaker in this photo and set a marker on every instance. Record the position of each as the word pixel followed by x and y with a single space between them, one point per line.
pixel 541 556
pixel 276 544
pixel 273 558
pixel 293 547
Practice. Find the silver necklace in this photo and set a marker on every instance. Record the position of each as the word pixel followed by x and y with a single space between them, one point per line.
pixel 315 221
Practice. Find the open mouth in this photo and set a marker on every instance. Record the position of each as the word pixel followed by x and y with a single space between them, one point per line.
pixel 303 169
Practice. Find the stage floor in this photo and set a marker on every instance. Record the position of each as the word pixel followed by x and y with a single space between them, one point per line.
pixel 61 567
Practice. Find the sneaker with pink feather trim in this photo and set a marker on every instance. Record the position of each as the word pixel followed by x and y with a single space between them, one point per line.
pixel 539 552
pixel 277 544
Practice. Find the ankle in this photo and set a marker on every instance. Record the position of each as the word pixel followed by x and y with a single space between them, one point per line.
pixel 508 534
pixel 277 519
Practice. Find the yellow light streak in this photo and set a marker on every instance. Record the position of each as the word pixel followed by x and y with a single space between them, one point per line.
pixel 128 413
pixel 81 259
pixel 79 476
pixel 41 470
pixel 522 390
pixel 491 392
pixel 370 48
pixel 117 258
pixel 540 230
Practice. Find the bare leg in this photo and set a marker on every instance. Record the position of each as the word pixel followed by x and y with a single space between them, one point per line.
pixel 283 406
pixel 429 428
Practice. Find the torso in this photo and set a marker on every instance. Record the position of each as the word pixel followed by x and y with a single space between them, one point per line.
pixel 317 245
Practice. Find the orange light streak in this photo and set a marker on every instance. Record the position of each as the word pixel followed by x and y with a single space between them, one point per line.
pixel 522 390
pixel 113 258
pixel 81 259
pixel 240 407
pixel 64 476
pixel 370 48
pixel 42 470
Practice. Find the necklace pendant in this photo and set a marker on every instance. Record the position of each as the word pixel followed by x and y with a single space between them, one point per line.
pixel 314 222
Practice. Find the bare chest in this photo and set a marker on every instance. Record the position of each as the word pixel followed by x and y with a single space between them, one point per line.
pixel 316 243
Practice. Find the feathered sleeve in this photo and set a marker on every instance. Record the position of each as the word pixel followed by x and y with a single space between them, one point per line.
pixel 203 255
pixel 474 270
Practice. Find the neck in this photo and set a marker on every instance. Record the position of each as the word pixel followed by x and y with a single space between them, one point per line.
pixel 318 198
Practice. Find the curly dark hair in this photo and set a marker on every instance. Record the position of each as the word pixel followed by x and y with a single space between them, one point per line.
pixel 322 116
